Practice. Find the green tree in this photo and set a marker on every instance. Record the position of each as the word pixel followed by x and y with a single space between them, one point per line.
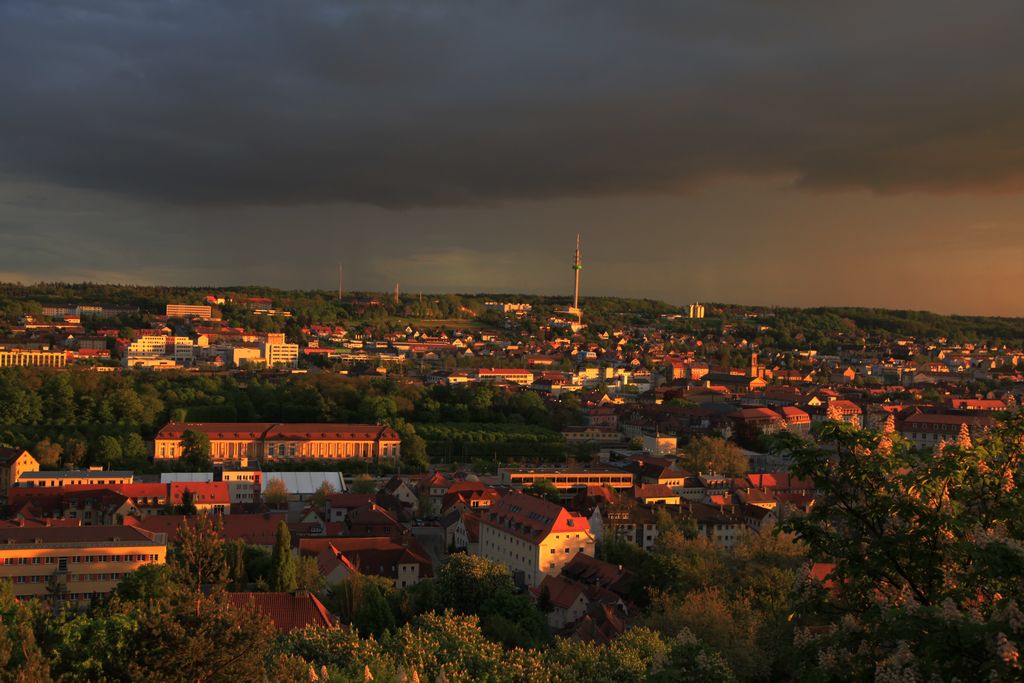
pixel 58 398
pixel 712 454
pixel 372 614
pixel 237 575
pixel 198 560
pixel 133 448
pixel 542 488
pixel 201 638
pixel 466 581
pixel 276 493
pixel 926 554
pixel 195 449
pixel 283 573
pixel 148 582
pixel 690 660
pixel 364 483
pixel 320 496
pixel 308 576
pixel 108 451
pixel 47 453
pixel 21 658
pixel 414 453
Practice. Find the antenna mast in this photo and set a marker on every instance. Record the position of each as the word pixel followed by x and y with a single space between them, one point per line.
pixel 577 266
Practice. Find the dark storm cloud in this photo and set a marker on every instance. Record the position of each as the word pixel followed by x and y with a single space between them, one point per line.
pixel 432 103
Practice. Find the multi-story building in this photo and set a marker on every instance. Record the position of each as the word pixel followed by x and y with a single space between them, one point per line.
pixel 534 538
pixel 146 348
pixel 181 349
pixel 75 564
pixel 270 441
pixel 278 354
pixel 189 311
pixel 14 462
pixel 566 478
pixel 244 480
pixel 19 358
pixel 514 375
pixel 927 429
pixel 74 478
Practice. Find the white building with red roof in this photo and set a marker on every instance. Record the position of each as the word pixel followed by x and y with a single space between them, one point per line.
pixel 534 538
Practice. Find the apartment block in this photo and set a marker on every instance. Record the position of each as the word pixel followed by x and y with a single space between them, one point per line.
pixel 189 311
pixel 76 564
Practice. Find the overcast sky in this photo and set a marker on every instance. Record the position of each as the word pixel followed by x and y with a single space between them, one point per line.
pixel 795 152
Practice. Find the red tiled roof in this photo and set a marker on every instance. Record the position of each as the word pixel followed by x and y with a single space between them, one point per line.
pixel 563 593
pixel 255 529
pixel 349 500
pixel 286 611
pixel 376 555
pixel 74 534
pixel 203 493
pixel 846 407
pixel 277 431
pixel 653 491
pixel 317 432
pixel 532 519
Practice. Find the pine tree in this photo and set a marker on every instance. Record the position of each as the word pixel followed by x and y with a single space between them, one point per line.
pixel 239 578
pixel 283 575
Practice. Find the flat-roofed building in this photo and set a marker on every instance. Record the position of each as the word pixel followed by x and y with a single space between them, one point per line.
pixel 271 441
pixel 566 478
pixel 189 311
pixel 280 355
pixel 534 538
pixel 76 564
pixel 514 375
pixel 20 358
pixel 74 478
